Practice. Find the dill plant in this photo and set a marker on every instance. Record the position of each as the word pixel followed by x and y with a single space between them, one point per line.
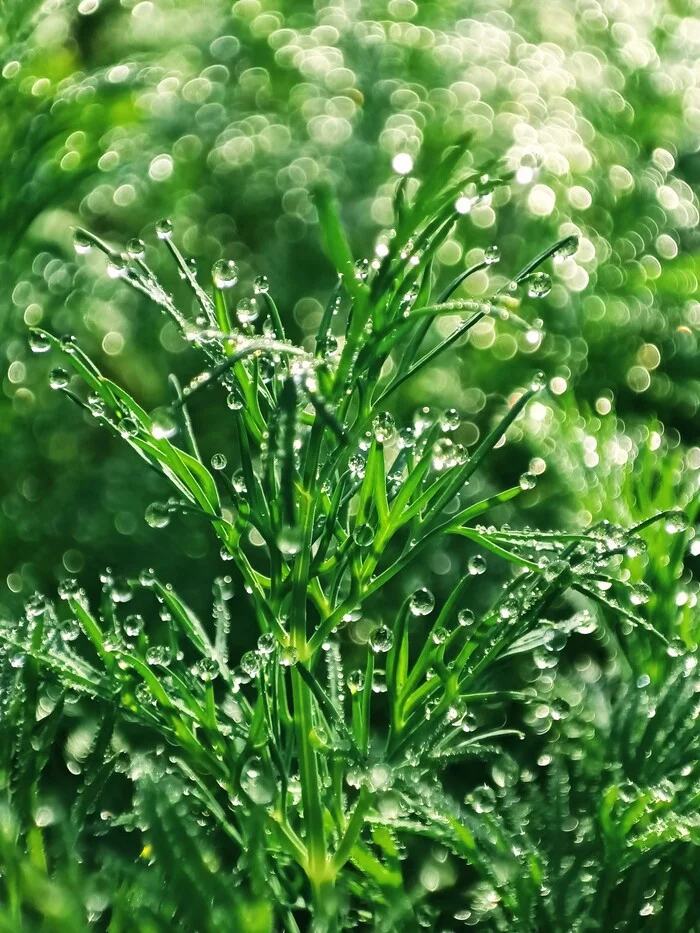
pixel 276 790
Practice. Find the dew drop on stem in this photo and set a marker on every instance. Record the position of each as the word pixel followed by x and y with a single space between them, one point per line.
pixel 538 284
pixel 422 602
pixel 164 229
pixel 38 342
pixel 381 639
pixel 58 378
pixel 224 272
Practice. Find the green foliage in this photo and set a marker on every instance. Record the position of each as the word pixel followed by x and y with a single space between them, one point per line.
pixel 285 786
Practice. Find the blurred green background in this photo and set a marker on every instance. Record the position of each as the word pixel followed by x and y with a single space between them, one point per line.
pixel 222 117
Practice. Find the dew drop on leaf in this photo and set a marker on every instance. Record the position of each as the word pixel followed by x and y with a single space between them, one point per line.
pixel 163 424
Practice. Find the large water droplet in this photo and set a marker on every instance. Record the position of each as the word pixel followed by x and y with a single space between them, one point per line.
pixel 384 427
pixel 224 272
pixel 163 423
pixel 164 229
pixel 476 565
pixel 422 602
pixel 539 285
pixel 258 782
pixel 157 515
pixel 38 342
pixel 381 639
pixel 290 540
pixel 676 522
pixel 81 242
pixel 58 378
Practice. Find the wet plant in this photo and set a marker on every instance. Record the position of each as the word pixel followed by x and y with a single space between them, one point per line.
pixel 290 786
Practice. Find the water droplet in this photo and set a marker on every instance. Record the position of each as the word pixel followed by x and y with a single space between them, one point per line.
pixel 157 515
pixel 567 248
pixel 422 602
pixel 267 644
pixel 147 577
pixel 250 662
pixel 449 420
pixel 528 481
pixel 445 454
pixel 120 590
pixel 402 163
pixel 363 535
pixel 163 423
pixel 218 462
pixel 439 635
pixel 128 427
pixel 628 791
pixel 135 248
pixel 356 681
pixel 357 465
pixel 476 565
pixel 116 267
pixel 164 229
pixel 133 625
pixel 35 606
pixel 158 654
pixel 224 272
pixel 407 438
pixel 676 522
pixel 466 617
pixel 234 401
pixel 381 639
pixel 290 540
pixel 247 311
pixel 384 427
pixel 538 381
pixel 81 242
pixel 492 254
pixel 640 593
pixel 69 588
pixel 38 342
pixel 483 799
pixel 288 656
pixel 258 782
pixel 539 285
pixel 554 639
pixel 676 648
pixel 206 670
pixel 261 285
pixel 69 630
pixel 68 343
pixel 58 378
